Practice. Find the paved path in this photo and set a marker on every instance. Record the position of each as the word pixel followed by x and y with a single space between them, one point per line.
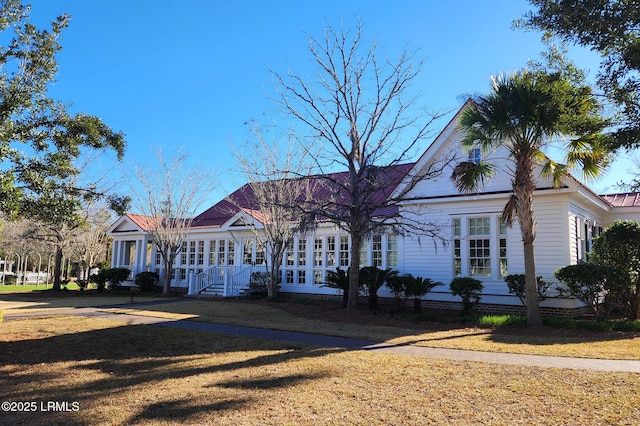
pixel 354 344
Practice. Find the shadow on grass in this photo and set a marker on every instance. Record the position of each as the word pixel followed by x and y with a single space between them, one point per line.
pixel 185 409
pixel 113 364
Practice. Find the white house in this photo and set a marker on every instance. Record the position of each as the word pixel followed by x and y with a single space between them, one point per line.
pixel 221 252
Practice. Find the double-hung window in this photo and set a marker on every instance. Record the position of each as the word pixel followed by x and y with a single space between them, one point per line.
pixel 479 247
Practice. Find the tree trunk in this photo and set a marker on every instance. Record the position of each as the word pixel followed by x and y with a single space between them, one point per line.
pixel 524 186
pixel 166 287
pixel 636 308
pixel 531 285
pixel 373 300
pixel 57 269
pixel 354 272
pixel 417 305
pixel 274 278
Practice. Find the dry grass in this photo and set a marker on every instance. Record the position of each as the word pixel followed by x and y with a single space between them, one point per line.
pixel 152 375
pixel 328 318
pixel 361 324
pixel 17 303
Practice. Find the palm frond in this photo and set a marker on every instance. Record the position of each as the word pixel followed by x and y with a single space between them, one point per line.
pixel 469 177
pixel 556 171
pixel 509 211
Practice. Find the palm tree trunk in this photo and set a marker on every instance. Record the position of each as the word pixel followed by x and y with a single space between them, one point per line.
pixel 524 186
pixel 531 285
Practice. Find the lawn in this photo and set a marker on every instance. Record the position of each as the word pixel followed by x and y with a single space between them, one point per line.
pixel 325 318
pixel 118 374
pixel 30 287
pixel 328 318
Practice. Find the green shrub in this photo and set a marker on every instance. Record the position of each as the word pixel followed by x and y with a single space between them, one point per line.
pixel 397 286
pixel 468 289
pixel 573 324
pixel 147 281
pixel 416 287
pixel 599 287
pixel 626 326
pixel 619 246
pixel 115 276
pixel 516 284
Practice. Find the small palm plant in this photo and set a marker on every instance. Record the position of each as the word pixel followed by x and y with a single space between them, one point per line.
pixel 340 281
pixel 373 278
pixel 416 287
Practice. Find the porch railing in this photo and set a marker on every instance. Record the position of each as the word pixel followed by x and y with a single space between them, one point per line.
pixel 232 278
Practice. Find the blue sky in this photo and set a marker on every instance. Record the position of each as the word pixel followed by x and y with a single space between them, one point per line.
pixel 191 73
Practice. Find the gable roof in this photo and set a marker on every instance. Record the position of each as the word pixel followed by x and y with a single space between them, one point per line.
pixel 325 187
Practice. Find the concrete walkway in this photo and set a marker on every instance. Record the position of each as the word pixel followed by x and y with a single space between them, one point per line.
pixel 353 344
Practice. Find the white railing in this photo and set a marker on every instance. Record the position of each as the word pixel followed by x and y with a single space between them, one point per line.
pixel 232 278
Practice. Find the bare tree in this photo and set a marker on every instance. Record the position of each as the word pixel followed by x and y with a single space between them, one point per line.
pixel 170 196
pixel 359 109
pixel 89 241
pixel 274 172
pixel 22 245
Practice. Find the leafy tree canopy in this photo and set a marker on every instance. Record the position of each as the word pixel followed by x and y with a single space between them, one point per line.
pixel 611 28
pixel 40 140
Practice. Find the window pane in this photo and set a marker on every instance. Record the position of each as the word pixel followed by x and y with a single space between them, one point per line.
pixel 392 251
pixel 317 252
pixel 231 252
pixel 344 250
pixel 456 227
pixel 331 251
pixel 479 226
pixel 212 252
pixel 480 257
pixel 200 252
pixel 221 252
pixel 376 250
pixel 247 252
pixel 302 252
pixel 289 254
pixel 260 253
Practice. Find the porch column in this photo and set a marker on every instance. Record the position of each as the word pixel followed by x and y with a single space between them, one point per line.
pixel 118 257
pixel 114 253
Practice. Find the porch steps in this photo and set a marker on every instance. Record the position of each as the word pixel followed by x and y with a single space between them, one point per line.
pixel 217 290
pixel 214 290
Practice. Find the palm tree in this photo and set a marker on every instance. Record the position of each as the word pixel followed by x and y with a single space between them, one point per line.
pixel 523 113
pixel 373 278
pixel 416 287
pixel 340 281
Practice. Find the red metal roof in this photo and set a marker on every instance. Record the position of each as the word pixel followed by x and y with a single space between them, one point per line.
pixel 323 187
pixel 144 222
pixel 627 199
